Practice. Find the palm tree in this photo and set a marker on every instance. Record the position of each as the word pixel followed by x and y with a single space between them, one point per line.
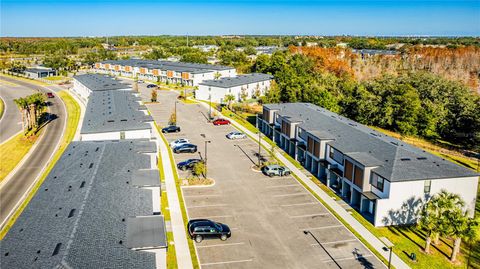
pixel 461 227
pixel 22 104
pixel 428 221
pixel 229 98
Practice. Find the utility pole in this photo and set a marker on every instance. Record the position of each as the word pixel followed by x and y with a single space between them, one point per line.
pixel 176 116
pixel 210 107
pixel 206 169
pixel 259 146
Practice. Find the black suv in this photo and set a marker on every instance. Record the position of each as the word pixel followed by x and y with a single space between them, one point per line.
pixel 189 148
pixel 187 164
pixel 171 129
pixel 202 228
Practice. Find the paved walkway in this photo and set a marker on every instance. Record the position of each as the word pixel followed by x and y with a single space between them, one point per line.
pixel 357 226
pixel 184 260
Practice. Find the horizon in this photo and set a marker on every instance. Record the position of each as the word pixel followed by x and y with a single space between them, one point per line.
pixel 380 18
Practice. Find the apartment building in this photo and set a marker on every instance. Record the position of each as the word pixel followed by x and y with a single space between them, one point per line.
pixel 383 178
pixel 190 74
pixel 247 86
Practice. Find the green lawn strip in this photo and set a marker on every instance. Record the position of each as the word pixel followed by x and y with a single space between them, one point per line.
pixel 2 107
pixel 55 78
pixel 171 252
pixel 29 80
pixel 13 151
pixel 191 247
pixel 73 111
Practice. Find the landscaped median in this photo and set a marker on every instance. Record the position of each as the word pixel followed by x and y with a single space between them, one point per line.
pixel 73 112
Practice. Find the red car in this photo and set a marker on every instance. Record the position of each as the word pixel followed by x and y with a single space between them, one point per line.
pixel 50 95
pixel 221 122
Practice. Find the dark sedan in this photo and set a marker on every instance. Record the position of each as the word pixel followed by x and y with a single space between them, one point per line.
pixel 187 164
pixel 151 86
pixel 185 148
pixel 171 129
pixel 198 229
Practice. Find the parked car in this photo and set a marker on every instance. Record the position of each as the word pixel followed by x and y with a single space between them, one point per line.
pixel 187 164
pixel 236 135
pixel 171 129
pixel 185 148
pixel 221 122
pixel 50 95
pixel 151 86
pixel 140 81
pixel 198 229
pixel 179 142
pixel 275 170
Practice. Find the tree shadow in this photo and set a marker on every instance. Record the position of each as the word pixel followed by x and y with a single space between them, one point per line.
pixel 364 262
pixel 44 120
pixel 407 214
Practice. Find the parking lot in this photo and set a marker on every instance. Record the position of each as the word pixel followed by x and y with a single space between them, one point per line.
pixel 267 216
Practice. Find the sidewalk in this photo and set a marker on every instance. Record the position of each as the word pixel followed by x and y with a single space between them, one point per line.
pixel 184 260
pixel 357 226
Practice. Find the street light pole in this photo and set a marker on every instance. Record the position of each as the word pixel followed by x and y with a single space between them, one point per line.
pixel 206 170
pixel 210 107
pixel 259 146
pixel 176 118
pixel 308 232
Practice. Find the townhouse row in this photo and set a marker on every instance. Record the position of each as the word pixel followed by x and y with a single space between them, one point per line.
pixel 190 74
pixel 383 178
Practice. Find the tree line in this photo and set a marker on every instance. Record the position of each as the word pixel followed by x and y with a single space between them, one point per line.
pixel 411 102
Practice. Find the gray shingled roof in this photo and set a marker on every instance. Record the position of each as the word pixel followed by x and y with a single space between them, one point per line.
pixel 143 232
pixel 228 82
pixel 115 110
pixel 77 218
pixel 97 82
pixel 146 178
pixel 167 65
pixel 396 160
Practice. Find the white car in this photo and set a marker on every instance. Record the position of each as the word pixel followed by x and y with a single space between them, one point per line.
pixel 179 142
pixel 236 135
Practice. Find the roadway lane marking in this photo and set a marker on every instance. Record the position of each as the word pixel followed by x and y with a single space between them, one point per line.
pixel 299 204
pixel 199 206
pixel 309 215
pixel 335 242
pixel 321 228
pixel 211 217
pixel 282 186
pixel 226 262
pixel 221 245
pixel 202 195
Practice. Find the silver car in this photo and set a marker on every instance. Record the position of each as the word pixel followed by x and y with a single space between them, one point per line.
pixel 236 135
pixel 276 170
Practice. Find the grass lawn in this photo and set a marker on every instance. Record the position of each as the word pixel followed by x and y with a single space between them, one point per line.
pixel 12 152
pixel 407 239
pixel 55 78
pixel 73 111
pixel 2 107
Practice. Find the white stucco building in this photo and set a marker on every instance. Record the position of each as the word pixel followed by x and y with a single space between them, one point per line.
pixel 113 111
pixel 383 178
pixel 249 86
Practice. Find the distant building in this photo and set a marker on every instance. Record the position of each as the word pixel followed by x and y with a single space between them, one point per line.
pixel 385 179
pixel 113 111
pixel 206 48
pixel 190 74
pixel 40 72
pixel 252 85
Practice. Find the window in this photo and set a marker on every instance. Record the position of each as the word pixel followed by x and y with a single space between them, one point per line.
pixel 378 182
pixel 332 152
pixel 427 186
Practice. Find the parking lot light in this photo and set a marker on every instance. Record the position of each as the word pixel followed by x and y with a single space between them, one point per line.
pixel 206 168
pixel 306 232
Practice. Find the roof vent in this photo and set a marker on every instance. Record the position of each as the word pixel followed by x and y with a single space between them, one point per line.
pixel 83 184
pixel 394 143
pixel 90 166
pixel 421 158
pixel 405 159
pixel 57 249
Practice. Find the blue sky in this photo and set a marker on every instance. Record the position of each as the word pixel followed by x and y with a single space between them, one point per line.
pixel 321 17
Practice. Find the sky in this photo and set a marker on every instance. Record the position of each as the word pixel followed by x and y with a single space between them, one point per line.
pixel 48 18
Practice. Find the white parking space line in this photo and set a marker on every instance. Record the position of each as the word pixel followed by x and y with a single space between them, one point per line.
pixel 335 242
pixel 299 204
pixel 200 206
pixel 349 258
pixel 282 186
pixel 226 262
pixel 214 217
pixel 324 227
pixel 221 245
pixel 309 215
pixel 202 195
pixel 290 194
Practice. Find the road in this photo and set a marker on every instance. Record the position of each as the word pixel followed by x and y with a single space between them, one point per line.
pixel 10 124
pixel 13 189
pixel 267 215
